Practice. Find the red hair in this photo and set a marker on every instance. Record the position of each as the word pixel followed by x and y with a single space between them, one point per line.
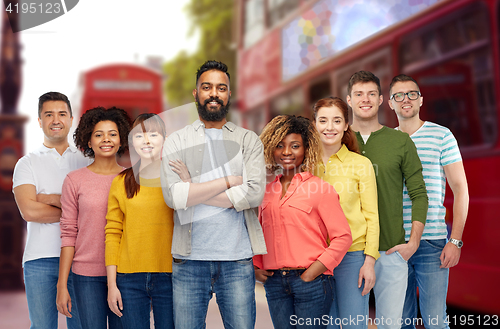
pixel 349 138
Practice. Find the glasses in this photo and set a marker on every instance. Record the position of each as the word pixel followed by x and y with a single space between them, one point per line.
pixel 412 95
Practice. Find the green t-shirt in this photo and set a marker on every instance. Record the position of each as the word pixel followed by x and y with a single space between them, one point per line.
pixel 395 160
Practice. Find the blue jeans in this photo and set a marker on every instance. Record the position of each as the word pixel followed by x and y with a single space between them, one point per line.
pixel 294 303
pixel 92 298
pixel 432 283
pixel 390 290
pixel 140 292
pixel 349 307
pixel 194 282
pixel 40 281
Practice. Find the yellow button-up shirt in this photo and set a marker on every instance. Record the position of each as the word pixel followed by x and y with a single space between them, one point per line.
pixel 353 177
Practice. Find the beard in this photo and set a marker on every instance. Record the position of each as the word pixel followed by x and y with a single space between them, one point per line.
pixel 212 115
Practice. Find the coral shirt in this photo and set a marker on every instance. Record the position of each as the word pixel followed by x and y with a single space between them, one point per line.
pixel 297 226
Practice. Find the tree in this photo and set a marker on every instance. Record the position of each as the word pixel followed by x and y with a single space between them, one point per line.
pixel 214 20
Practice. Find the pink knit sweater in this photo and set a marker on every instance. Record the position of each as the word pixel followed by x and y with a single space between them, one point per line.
pixel 84 203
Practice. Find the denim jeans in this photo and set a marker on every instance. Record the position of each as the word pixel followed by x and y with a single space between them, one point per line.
pixel 194 282
pixel 349 307
pixel 294 303
pixel 432 283
pixel 390 290
pixel 40 281
pixel 140 292
pixel 92 297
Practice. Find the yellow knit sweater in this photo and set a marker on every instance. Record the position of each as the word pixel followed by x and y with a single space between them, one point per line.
pixel 139 230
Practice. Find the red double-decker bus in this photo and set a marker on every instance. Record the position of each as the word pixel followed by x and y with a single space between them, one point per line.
pixel 291 53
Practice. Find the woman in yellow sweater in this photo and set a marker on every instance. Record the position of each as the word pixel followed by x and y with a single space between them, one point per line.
pixel 353 177
pixel 139 234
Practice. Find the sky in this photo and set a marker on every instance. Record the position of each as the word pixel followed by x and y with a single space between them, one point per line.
pixel 92 34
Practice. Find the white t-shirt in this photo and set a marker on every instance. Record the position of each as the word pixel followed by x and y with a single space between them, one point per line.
pixel 46 169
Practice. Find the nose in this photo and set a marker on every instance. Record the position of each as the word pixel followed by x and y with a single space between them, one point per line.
pixel 146 139
pixel 287 150
pixel 329 125
pixel 213 92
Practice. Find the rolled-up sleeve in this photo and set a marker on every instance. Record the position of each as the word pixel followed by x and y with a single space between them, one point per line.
pixel 251 192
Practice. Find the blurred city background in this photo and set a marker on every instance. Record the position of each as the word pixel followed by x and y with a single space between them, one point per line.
pixel 283 55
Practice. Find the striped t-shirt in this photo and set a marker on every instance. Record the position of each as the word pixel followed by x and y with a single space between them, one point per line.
pixel 436 147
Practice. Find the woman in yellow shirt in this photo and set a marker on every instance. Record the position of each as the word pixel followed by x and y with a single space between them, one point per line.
pixel 353 177
pixel 139 234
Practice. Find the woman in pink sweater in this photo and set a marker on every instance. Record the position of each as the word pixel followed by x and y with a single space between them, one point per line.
pixel 101 134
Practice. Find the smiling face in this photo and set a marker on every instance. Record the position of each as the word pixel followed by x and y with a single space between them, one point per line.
pixel 364 100
pixel 148 145
pixel 55 120
pixel 212 95
pixel 331 126
pixel 290 153
pixel 105 139
pixel 407 108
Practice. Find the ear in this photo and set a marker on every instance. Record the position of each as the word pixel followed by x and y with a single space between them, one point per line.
pixel 381 100
pixel 194 93
pixel 421 101
pixel 390 104
pixel 348 98
pixel 40 122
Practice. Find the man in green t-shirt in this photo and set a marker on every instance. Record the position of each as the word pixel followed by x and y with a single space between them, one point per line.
pixel 396 162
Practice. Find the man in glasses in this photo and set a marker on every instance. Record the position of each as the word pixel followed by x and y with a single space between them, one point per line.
pixel 395 160
pixel 437 148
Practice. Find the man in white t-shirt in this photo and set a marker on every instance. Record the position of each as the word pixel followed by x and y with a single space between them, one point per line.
pixel 437 148
pixel 37 184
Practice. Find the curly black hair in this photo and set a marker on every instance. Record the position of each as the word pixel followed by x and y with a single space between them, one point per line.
pixel 89 119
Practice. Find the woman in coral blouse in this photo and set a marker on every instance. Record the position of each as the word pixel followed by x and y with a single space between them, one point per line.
pixel 353 177
pixel 101 134
pixel 139 233
pixel 299 214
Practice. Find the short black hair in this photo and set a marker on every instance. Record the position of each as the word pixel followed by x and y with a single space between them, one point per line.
pixel 401 78
pixel 53 96
pixel 363 77
pixel 212 65
pixel 88 121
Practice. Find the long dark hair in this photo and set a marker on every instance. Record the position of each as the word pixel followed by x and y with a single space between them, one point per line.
pixel 349 138
pixel 148 122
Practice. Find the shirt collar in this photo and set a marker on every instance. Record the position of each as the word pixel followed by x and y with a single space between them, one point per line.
pixel 342 153
pixel 45 149
pixel 228 125
pixel 302 176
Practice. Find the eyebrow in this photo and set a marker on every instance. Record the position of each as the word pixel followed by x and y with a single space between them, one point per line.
pixel 209 83
pixel 100 131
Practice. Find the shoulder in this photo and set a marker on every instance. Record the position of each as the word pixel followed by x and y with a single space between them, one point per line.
pixel 436 130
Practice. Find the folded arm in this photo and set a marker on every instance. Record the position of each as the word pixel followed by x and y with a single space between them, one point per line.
pixel 37 208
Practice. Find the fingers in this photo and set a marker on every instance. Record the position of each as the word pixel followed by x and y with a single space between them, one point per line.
pixel 116 306
pixel 63 308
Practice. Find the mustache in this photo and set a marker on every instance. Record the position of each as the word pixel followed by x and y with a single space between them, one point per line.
pixel 213 99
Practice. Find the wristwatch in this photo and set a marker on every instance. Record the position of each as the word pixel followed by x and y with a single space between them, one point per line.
pixel 457 243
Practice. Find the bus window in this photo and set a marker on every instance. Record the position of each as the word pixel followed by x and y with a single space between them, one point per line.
pixel 453 64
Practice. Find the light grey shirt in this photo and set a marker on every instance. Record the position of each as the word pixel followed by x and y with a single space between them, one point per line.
pixel 245 156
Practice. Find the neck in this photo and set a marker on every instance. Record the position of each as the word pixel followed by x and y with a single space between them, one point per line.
pixel 150 169
pixel 59 146
pixel 366 127
pixel 329 150
pixel 214 124
pixel 411 125
pixel 105 166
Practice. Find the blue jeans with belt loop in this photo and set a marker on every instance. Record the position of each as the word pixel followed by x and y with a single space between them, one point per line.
pixel 195 281
pixel 294 303
pixel 40 281
pixel 142 291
